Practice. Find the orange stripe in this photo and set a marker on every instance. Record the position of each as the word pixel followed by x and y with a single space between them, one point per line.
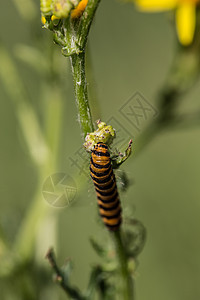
pixel 108 205
pixel 106 197
pixel 110 212
pixel 102 177
pixel 111 222
pixel 113 188
pixel 100 160
pixel 97 170
pixel 106 183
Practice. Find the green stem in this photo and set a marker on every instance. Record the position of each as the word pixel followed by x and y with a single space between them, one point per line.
pixel 86 21
pixel 78 68
pixel 72 36
pixel 92 88
pixel 81 94
pixel 127 283
pixel 60 277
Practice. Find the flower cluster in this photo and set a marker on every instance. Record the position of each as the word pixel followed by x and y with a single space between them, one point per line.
pixel 104 134
pixel 59 9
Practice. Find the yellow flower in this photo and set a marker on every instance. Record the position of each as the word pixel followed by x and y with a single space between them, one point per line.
pixel 185 15
pixel 59 9
pixel 78 11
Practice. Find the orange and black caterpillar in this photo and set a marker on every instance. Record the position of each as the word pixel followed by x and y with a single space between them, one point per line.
pixel 105 185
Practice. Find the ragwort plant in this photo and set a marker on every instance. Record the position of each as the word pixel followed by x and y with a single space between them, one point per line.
pixel 70 22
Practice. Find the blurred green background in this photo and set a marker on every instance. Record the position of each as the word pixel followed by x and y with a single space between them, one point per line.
pixel 129 52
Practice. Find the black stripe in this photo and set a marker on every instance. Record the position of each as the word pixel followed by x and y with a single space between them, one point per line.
pixel 99 153
pixel 111 186
pixel 111 217
pixel 110 200
pixel 105 187
pixel 102 145
pixel 106 193
pixel 97 180
pixel 102 173
pixel 110 208
pixel 100 166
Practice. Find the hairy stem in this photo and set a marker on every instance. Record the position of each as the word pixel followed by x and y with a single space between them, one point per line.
pixel 81 94
pixel 86 21
pixel 127 283
pixel 78 68
pixel 60 277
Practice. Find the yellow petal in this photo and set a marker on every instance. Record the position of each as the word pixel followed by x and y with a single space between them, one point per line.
pixel 185 22
pixel 43 19
pixel 78 11
pixel 156 5
pixel 53 17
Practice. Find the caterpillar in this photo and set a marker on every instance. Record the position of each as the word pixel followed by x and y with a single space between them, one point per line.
pixel 104 181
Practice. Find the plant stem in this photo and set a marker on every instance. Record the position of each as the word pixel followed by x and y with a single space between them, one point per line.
pixel 60 277
pixel 127 283
pixel 92 88
pixel 81 94
pixel 78 68
pixel 86 21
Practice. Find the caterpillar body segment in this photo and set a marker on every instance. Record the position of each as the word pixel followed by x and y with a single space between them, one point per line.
pixel 105 186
